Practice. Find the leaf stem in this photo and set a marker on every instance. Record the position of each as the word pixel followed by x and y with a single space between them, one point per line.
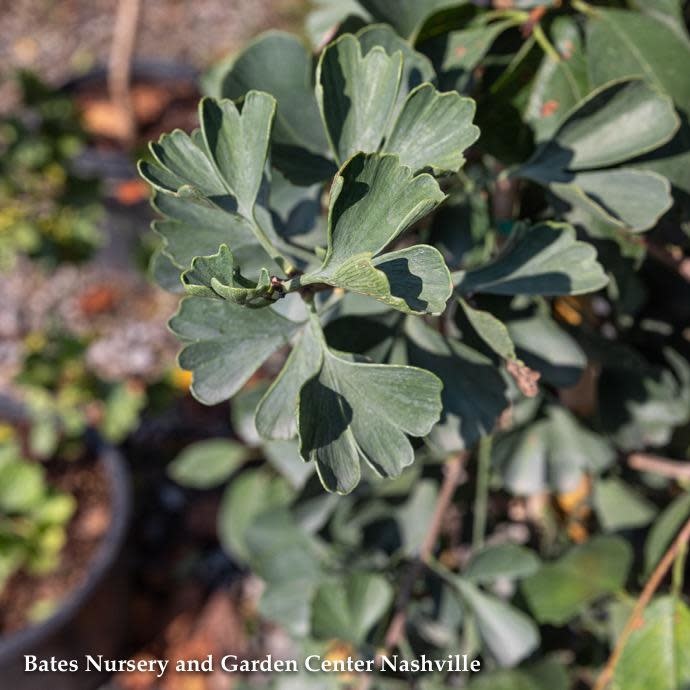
pixel 544 43
pixel 481 499
pixel 285 265
pixel 650 588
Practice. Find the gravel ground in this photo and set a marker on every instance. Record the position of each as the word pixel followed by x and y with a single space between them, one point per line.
pixel 61 38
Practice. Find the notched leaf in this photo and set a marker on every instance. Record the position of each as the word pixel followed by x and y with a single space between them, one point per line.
pixel 219 276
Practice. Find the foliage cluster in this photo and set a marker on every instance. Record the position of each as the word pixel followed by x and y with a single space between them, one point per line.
pixel 438 290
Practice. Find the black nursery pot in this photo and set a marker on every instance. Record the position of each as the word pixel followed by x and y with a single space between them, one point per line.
pixel 92 619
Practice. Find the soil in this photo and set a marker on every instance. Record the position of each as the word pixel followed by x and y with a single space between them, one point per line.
pixel 86 480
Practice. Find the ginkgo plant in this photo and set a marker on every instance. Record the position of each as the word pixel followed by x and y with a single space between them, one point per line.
pixel 383 290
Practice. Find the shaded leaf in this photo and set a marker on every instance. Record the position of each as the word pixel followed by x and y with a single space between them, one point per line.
pixel 219 276
pixel 252 493
pixel 225 344
pixel 354 410
pixel 545 259
pixel 433 129
pixel 501 561
pixel 356 94
pixel 373 200
pixel 558 85
pixel 560 590
pixel 347 609
pixel 473 393
pixel 492 331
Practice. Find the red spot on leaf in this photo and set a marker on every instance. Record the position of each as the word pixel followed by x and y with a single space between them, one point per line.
pixel 549 108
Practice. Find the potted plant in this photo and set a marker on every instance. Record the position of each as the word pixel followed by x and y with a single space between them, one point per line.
pixel 464 339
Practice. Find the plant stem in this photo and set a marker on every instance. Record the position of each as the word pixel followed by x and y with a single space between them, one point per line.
pixel 673 469
pixel 481 499
pixel 285 265
pixel 650 588
pixel 453 473
pixel 543 41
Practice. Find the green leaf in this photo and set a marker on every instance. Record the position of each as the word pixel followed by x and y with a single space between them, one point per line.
pixel 619 507
pixel 663 530
pixel 225 344
pixel 417 68
pixel 252 493
pixel 347 609
pixel 414 516
pixel 473 392
pixel 615 123
pixel 407 16
pixel 219 276
pixel 669 12
pixel 543 345
pixel 279 64
pixel 545 259
pixel 373 200
pixel 623 44
pixel 192 229
pixel 508 633
pixel 238 143
pixel 459 52
pixel 207 464
pixel 501 561
pixel 277 410
pixel 22 486
pixel 558 85
pixel 492 331
pixel 608 128
pixel 433 129
pixel 560 590
pixel 657 654
pixel 356 94
pixel 353 410
pixel 550 453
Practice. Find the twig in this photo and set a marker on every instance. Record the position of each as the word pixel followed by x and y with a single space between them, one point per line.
pixel 453 473
pixel 482 491
pixel 120 62
pixel 647 593
pixel 673 469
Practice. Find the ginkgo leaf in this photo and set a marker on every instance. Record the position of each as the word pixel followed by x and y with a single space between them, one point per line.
pixel 619 121
pixel 545 259
pixel 355 410
pixel 191 229
pixel 559 590
pixel 657 654
pixel 279 64
pixel 226 343
pixel 356 94
pixel 346 609
pixel 433 129
pixel 417 67
pixel 238 143
pixel 277 409
pixel 490 329
pixel 373 200
pixel 508 633
pixel 550 453
pixel 219 276
pixel 473 392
